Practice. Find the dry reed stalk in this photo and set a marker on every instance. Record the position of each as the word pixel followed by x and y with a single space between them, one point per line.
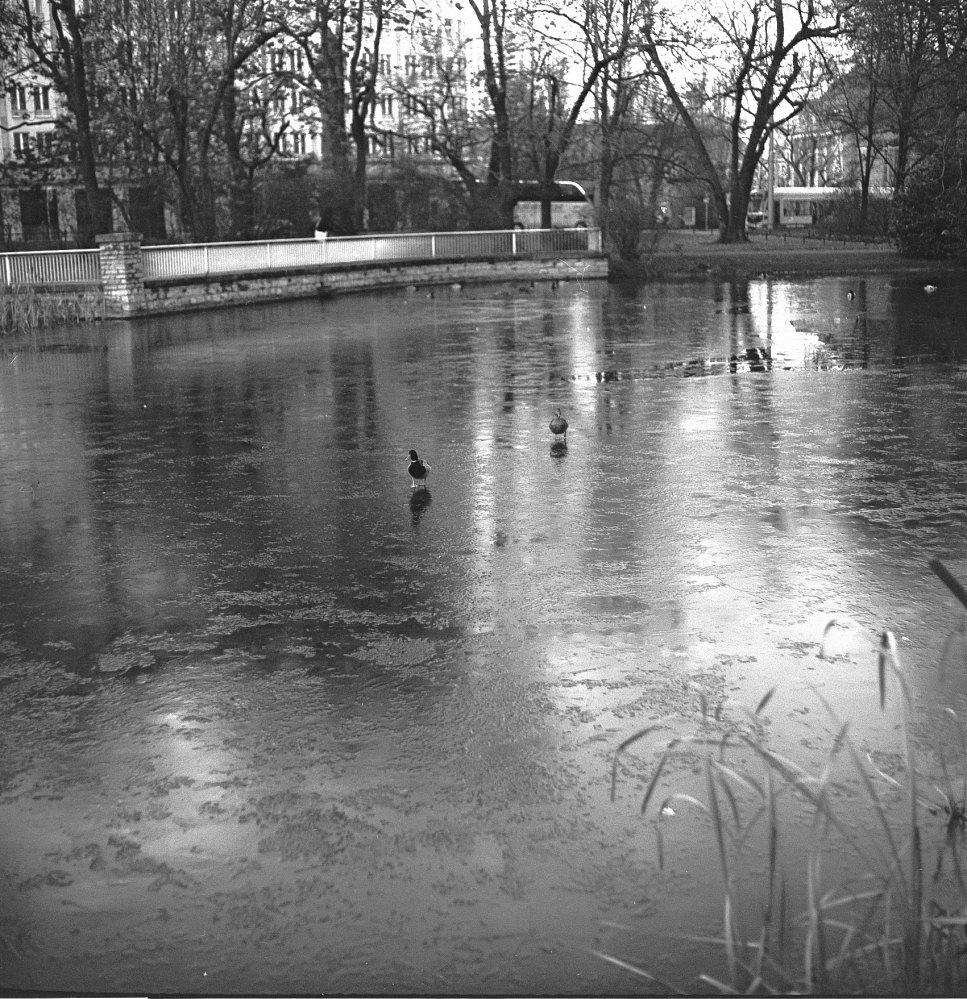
pixel 22 309
pixel 887 938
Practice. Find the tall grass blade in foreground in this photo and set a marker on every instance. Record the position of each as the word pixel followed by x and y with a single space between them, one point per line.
pixel 900 933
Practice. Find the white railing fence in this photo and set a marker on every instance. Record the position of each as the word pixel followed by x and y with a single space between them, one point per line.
pixel 200 260
pixel 71 268
pixel 56 268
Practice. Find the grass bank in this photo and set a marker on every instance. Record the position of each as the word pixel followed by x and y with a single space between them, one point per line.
pixel 684 254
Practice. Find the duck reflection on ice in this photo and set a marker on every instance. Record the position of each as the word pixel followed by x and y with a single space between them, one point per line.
pixel 420 499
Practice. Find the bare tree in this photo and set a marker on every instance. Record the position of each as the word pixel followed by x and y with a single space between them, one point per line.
pixel 184 75
pixel 341 44
pixel 910 53
pixel 495 19
pixel 64 49
pixel 476 140
pixel 754 56
pixel 572 45
pixel 621 94
pixel 243 29
pixel 532 112
pixel 853 107
pixel 436 110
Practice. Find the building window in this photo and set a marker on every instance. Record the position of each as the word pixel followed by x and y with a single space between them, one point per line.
pixel 146 212
pixel 18 99
pixel 299 143
pixel 21 143
pixel 38 214
pixel 42 100
pixel 386 104
pixel 45 145
pixel 278 62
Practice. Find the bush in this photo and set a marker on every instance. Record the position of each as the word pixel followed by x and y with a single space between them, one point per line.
pixel 288 194
pixel 845 218
pixel 625 221
pixel 930 214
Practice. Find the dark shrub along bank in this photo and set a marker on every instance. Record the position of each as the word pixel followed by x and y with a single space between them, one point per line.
pixel 930 215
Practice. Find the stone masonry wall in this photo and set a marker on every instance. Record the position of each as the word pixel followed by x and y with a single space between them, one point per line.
pixel 122 275
pixel 174 295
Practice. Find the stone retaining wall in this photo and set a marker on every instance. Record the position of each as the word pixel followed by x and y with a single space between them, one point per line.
pixel 173 295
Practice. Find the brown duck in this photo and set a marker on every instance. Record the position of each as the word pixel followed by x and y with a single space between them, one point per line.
pixel 558 425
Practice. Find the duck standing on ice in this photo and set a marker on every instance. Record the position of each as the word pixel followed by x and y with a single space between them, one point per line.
pixel 419 470
pixel 559 426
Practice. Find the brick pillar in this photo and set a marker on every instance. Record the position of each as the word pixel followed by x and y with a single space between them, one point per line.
pixel 122 274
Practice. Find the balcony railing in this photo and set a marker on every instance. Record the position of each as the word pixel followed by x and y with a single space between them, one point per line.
pixel 55 268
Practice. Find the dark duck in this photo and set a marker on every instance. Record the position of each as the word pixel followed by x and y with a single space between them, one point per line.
pixel 419 470
pixel 559 425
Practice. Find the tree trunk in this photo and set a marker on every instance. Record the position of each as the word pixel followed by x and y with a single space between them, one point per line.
pixel 68 68
pixel 603 193
pixel 359 196
pixel 241 196
pixel 547 190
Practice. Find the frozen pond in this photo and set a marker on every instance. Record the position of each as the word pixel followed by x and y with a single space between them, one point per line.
pixel 275 722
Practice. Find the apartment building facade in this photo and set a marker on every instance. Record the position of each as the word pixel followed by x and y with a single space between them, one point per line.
pixel 34 205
